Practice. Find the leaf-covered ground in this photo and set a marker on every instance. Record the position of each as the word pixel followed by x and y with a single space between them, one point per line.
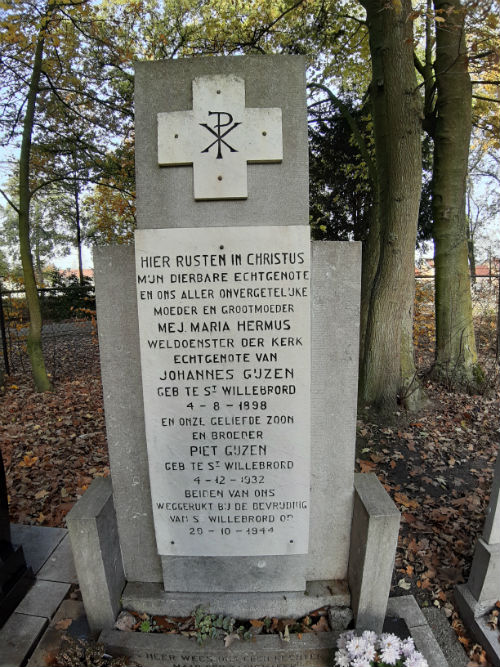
pixel 436 465
pixel 438 469
pixel 53 444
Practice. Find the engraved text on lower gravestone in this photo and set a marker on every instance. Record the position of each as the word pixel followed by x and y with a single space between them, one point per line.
pixel 224 319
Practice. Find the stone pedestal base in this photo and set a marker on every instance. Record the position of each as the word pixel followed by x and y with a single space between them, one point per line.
pixel 15 579
pixel 172 650
pixel 484 580
pixel 307 650
pixel 150 598
pixel 96 549
pixel 474 615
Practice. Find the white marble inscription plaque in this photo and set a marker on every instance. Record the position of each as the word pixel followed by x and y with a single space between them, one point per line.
pixel 224 319
pixel 219 136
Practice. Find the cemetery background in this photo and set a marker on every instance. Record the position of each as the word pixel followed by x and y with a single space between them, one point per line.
pixel 32 462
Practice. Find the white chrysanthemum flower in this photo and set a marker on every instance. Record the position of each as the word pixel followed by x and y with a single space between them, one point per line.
pixel 407 647
pixel 342 658
pixel 416 659
pixel 344 638
pixel 390 654
pixel 370 636
pixel 356 647
pixel 388 639
pixel 361 662
pixel 370 652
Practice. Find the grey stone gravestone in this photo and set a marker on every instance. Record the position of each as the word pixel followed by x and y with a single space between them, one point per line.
pixel 478 596
pixel 15 576
pixel 229 351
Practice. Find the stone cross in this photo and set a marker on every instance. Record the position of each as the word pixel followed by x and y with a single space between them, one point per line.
pixel 219 136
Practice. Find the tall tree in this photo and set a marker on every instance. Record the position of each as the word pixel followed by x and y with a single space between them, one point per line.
pixel 34 339
pixel 387 372
pixel 456 356
pixel 448 121
pixel 44 67
pixel 46 239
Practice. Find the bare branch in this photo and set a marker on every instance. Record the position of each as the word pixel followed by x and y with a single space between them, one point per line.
pixel 9 201
pixel 360 142
pixel 486 99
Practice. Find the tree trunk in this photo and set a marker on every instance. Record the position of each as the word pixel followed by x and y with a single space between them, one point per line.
pixel 456 357
pixel 472 256
pixel 78 232
pixel 36 236
pixel 498 321
pixel 371 255
pixel 387 374
pixel 34 343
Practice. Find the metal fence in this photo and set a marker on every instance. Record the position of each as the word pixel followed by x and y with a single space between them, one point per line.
pixel 60 307
pixel 485 291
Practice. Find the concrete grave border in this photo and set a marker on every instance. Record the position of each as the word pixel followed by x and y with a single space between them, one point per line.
pixel 93 533
pixel 310 651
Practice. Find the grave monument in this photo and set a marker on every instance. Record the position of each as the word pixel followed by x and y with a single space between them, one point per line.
pixel 15 576
pixel 479 595
pixel 229 354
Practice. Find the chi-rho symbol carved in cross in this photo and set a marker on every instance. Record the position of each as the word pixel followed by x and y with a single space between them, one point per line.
pixel 219 136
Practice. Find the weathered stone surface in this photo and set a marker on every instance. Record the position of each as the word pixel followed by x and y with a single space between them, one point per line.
pixel 484 580
pixel 340 617
pixel 60 565
pixel 406 607
pixel 151 599
pixel 374 536
pixel 70 610
pixel 473 613
pixel 125 621
pixel 38 542
pixel 426 643
pixel 335 289
pixel 17 638
pixel 277 193
pixel 74 610
pixel 96 549
pixel 124 411
pixel 446 637
pixel 491 531
pixel 169 650
pixel 44 598
pixel 335 309
pixel 206 574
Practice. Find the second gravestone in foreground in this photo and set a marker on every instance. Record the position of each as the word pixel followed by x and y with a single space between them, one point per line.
pixel 229 364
